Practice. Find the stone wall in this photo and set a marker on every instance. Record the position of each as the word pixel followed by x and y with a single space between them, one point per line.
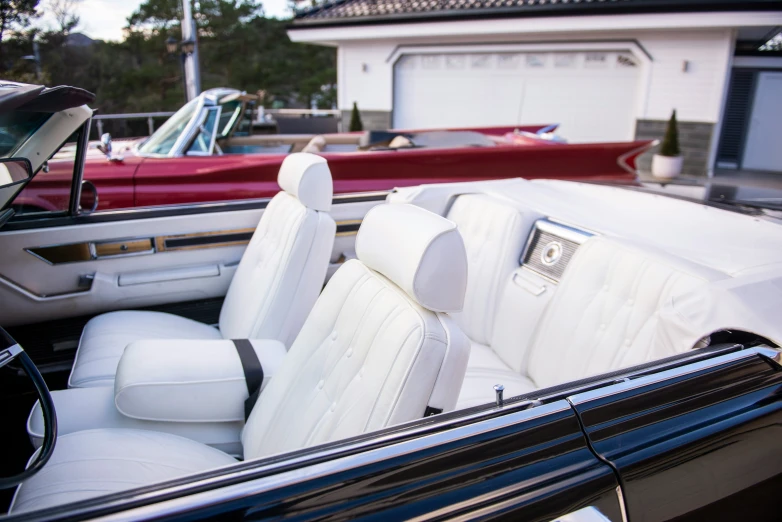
pixel 372 120
pixel 694 141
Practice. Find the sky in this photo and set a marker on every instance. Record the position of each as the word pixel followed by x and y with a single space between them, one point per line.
pixel 104 19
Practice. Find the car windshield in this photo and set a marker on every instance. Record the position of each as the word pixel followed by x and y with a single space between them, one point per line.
pixel 163 140
pixel 16 127
pixel 231 111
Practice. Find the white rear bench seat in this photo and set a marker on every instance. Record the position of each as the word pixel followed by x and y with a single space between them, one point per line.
pixel 603 316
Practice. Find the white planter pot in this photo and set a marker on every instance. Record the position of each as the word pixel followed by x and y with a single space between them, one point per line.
pixel 666 167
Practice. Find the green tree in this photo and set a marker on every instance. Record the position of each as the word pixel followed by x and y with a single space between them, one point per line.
pixel 16 15
pixel 355 119
pixel 670 144
pixel 238 47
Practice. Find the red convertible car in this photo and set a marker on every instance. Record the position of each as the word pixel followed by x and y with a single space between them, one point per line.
pixel 206 152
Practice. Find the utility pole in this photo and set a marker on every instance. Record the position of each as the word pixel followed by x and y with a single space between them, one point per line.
pixel 190 53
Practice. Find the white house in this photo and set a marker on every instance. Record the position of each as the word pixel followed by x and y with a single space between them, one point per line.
pixel 603 69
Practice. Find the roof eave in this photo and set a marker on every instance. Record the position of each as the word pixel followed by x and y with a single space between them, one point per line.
pixel 558 9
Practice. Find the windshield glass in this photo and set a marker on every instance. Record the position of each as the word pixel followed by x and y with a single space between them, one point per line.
pixel 162 141
pixel 231 111
pixel 202 144
pixel 16 127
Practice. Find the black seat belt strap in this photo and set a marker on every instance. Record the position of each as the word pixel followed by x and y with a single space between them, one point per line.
pixel 253 372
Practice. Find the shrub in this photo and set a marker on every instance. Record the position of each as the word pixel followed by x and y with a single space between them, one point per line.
pixel 355 120
pixel 670 144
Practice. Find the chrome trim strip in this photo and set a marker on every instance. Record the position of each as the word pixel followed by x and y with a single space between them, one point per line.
pixel 256 486
pixel 775 354
pixel 9 354
pixel 640 382
pixel 200 128
pixel 621 498
pixel 336 200
pixel 188 132
pixel 41 297
pixel 564 231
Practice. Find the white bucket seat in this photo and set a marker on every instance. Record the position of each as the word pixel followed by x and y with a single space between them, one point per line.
pixel 276 283
pixel 375 351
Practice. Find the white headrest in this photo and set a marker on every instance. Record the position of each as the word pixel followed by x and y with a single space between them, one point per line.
pixel 307 177
pixel 419 251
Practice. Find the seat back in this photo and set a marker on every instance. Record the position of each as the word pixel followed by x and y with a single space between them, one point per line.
pixel 283 269
pixel 494 234
pixel 376 349
pixel 605 314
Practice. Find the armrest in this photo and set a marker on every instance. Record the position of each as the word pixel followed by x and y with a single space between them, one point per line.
pixel 188 380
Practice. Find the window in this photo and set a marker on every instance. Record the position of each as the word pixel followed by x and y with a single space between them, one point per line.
pixel 163 140
pixel 16 127
pixel 49 192
pixel 231 111
pixel 203 143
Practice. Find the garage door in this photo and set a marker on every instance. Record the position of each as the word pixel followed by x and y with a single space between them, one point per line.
pixel 592 95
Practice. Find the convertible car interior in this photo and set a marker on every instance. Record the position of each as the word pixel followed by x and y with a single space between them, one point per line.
pixel 345 315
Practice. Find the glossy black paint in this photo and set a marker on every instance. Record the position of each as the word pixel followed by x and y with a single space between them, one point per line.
pixel 695 444
pixel 533 469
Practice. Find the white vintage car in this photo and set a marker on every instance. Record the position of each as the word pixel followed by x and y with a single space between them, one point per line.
pixel 527 350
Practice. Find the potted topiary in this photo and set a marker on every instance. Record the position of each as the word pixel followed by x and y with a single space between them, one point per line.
pixel 355 119
pixel 667 164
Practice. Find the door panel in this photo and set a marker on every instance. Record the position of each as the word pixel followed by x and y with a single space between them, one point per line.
pixel 89 268
pixel 687 440
pixel 532 465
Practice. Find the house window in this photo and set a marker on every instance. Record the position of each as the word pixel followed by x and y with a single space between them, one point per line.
pixel 431 61
pixel 481 61
pixel 508 61
pixel 564 60
pixel 455 61
pixel 535 60
pixel 596 60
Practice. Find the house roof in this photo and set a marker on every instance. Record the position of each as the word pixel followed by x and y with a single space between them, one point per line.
pixel 340 12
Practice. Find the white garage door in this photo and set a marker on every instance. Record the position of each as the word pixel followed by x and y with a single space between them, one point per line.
pixel 592 95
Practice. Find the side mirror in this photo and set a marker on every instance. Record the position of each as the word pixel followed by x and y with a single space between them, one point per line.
pixel 13 171
pixel 88 200
pixel 14 174
pixel 105 147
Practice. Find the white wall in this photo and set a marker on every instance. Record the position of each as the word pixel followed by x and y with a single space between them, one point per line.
pixel 696 94
pixel 372 89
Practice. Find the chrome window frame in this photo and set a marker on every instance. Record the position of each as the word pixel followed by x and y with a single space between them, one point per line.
pixel 200 128
pixel 206 101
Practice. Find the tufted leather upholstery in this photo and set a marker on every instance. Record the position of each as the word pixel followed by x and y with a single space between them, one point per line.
pixel 273 290
pixel 604 315
pixel 370 355
pixel 90 463
pixel 494 234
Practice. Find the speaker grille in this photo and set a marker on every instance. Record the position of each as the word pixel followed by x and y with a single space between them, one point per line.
pixel 542 244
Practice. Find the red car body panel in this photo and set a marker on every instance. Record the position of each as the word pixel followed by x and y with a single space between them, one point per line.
pixel 140 182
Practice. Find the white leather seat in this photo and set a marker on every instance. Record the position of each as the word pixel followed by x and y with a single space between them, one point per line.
pixel 273 290
pixel 494 233
pixel 377 350
pixel 604 316
pixel 98 462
